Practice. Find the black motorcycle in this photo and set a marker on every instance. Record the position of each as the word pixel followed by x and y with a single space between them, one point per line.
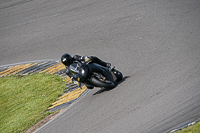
pixel 95 75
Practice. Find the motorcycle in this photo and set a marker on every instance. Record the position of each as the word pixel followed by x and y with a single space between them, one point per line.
pixel 94 75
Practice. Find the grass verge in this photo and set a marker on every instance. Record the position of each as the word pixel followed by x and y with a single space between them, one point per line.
pixel 192 129
pixel 25 99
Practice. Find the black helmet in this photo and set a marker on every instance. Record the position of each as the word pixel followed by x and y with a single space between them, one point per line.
pixel 66 59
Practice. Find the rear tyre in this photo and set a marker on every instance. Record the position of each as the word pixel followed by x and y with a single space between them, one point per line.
pixel 100 83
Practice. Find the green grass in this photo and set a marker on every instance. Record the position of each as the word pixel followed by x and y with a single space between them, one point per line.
pixel 192 129
pixel 24 99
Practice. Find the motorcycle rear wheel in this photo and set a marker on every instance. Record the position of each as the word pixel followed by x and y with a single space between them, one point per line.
pixel 101 83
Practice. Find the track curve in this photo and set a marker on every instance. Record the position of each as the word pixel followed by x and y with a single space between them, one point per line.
pixel 155 43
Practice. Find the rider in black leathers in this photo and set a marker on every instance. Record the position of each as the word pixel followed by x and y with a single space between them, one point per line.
pixel 67 60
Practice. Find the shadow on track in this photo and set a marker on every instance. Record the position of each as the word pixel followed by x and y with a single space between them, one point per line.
pixel 104 89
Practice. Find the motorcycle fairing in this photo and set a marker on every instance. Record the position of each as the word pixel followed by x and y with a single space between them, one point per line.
pixel 80 71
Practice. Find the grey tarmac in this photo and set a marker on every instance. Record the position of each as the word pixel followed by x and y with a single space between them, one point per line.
pixel 154 43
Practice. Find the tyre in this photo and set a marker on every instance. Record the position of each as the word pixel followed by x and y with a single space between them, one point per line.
pixel 101 83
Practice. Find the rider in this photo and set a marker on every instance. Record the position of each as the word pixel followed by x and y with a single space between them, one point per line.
pixel 67 60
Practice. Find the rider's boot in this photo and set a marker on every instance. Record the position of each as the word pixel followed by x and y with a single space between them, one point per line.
pixel 89 87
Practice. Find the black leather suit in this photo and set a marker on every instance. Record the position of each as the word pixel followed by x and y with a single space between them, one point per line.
pixel 93 59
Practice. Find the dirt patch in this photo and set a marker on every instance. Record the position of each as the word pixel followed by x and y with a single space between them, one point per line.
pixel 42 122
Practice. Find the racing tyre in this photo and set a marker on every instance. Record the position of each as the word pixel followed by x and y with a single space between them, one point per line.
pixel 101 83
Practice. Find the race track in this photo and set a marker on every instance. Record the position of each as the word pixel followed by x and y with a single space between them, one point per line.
pixel 154 43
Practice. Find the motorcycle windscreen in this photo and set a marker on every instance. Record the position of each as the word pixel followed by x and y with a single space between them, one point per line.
pixel 74 68
pixel 79 71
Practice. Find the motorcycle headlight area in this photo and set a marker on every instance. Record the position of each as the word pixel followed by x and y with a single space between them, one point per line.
pixel 74 69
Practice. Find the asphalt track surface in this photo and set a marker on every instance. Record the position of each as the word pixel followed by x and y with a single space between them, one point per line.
pixel 154 43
